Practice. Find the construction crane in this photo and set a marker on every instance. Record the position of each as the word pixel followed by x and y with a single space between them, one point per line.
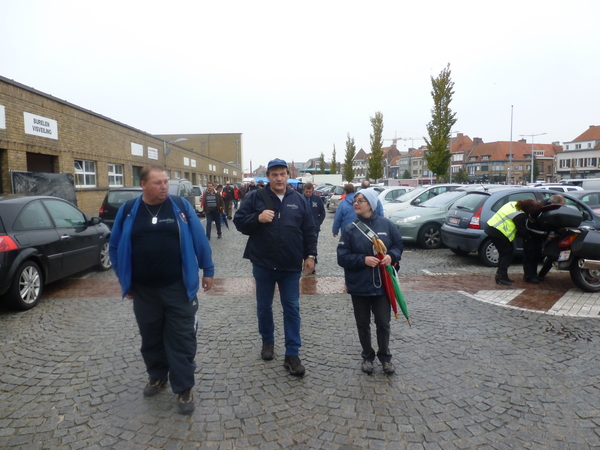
pixel 396 139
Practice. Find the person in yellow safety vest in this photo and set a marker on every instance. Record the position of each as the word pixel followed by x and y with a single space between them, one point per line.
pixel 502 228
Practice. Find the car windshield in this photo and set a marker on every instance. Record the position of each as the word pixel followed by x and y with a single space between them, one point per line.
pixel 410 195
pixel 338 190
pixel 442 199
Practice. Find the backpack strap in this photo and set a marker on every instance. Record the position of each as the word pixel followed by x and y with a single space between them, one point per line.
pixel 364 229
pixel 266 198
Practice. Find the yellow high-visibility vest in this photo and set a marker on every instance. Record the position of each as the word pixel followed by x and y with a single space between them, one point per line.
pixel 503 220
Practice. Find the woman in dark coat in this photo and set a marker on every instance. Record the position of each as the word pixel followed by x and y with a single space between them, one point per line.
pixel 355 253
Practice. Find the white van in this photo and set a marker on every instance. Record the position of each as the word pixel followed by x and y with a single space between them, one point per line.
pixel 586 183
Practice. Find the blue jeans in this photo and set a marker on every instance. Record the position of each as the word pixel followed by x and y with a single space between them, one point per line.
pixel 289 290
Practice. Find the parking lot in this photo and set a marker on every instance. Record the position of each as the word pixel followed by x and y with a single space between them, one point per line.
pixel 483 366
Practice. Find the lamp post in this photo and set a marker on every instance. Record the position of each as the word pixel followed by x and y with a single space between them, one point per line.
pixel 169 142
pixel 532 155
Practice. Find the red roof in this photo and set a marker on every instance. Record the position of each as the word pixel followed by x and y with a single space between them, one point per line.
pixel 499 151
pixel 591 134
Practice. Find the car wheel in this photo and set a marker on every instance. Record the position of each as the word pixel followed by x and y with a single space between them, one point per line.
pixel 430 236
pixel 26 288
pixel 104 261
pixel 488 254
pixel 459 252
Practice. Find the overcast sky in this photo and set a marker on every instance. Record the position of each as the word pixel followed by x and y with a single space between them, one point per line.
pixel 296 77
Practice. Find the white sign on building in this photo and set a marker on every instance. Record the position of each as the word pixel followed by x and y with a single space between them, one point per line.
pixel 40 126
pixel 2 118
pixel 152 153
pixel 137 149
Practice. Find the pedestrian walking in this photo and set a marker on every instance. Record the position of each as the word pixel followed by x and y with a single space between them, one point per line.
pixel 315 204
pixel 364 283
pixel 282 234
pixel 157 248
pixel 212 205
pixel 229 197
pixel 344 214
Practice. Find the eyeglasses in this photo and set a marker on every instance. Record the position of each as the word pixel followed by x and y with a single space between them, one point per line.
pixel 360 201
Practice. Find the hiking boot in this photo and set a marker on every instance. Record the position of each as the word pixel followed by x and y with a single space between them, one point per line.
pixel 293 364
pixel 267 351
pixel 388 368
pixel 367 367
pixel 185 402
pixel 154 386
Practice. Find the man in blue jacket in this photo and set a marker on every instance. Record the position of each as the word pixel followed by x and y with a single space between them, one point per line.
pixel 157 247
pixel 344 214
pixel 316 207
pixel 282 234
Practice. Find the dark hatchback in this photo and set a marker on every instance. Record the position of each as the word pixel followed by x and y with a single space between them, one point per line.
pixel 113 201
pixel 463 229
pixel 44 239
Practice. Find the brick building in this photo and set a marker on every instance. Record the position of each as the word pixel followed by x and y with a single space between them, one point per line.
pixel 41 133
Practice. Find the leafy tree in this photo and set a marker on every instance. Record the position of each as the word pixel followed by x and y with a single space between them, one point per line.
pixel 322 163
pixel 333 165
pixel 442 120
pixel 375 165
pixel 461 176
pixel 406 175
pixel 348 170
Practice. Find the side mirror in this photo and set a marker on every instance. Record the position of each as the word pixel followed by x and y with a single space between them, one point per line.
pixel 95 221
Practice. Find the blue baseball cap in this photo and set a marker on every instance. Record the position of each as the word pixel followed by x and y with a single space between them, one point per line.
pixel 276 163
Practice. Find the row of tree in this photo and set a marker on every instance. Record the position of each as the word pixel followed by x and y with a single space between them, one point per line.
pixel 438 155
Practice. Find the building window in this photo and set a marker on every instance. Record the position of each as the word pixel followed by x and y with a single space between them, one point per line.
pixel 589 145
pixel 473 158
pixel 485 158
pixel 484 168
pixel 177 174
pixel 85 173
pixel 168 173
pixel 115 174
pixel 577 146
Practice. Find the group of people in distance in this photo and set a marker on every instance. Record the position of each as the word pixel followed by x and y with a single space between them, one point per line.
pixel 158 246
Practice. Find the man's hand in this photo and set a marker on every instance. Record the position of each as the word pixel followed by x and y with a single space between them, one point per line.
pixel 128 296
pixel 266 216
pixel 335 234
pixel 386 261
pixel 207 283
pixel 309 266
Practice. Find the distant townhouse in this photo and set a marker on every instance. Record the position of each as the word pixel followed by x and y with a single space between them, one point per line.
pixel 581 156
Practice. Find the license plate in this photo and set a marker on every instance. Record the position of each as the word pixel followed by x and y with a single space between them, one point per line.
pixel 453 220
pixel 564 255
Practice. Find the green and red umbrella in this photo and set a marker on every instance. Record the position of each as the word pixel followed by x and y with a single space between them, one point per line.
pixel 390 281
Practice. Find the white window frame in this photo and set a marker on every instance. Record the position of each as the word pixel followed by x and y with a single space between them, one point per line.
pixel 85 171
pixel 115 178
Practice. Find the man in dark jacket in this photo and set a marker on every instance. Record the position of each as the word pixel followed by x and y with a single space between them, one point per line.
pixel 316 206
pixel 229 197
pixel 282 234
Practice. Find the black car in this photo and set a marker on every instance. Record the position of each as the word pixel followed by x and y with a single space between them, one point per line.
pixel 43 239
pixel 113 201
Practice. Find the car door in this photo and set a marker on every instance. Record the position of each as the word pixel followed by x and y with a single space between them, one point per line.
pixel 80 242
pixel 33 228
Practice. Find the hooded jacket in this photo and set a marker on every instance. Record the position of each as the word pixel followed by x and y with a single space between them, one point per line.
pixel 195 251
pixel 284 243
pixel 354 246
pixel 344 214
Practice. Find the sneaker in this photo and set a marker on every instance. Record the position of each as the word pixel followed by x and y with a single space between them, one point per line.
pixel 185 402
pixel 388 368
pixel 154 386
pixel 219 236
pixel 367 367
pixel 293 364
pixel 267 351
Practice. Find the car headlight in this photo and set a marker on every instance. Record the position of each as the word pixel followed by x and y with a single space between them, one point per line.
pixel 408 219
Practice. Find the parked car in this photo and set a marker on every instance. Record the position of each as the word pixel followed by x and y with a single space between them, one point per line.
pixel 392 193
pixel 183 188
pixel 423 223
pixel 334 199
pixel 44 239
pixel 590 198
pixel 558 187
pixel 417 196
pixel 463 228
pixel 197 192
pixel 113 201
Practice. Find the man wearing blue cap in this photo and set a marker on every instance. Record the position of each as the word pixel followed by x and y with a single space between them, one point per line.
pixel 282 238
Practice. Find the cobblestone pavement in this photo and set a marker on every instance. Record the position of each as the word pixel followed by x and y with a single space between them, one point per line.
pixel 471 373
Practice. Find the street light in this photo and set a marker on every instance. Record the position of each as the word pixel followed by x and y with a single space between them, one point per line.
pixel 171 148
pixel 532 156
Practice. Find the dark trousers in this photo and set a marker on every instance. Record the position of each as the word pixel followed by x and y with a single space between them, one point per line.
pixel 505 254
pixel 167 322
pixel 228 205
pixel 210 217
pixel 380 306
pixel 532 255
